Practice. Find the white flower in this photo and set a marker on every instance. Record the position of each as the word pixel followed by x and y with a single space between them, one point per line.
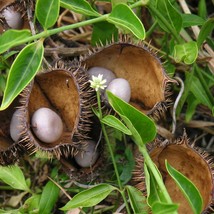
pixel 98 82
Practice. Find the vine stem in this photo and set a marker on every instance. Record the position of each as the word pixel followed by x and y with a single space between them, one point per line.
pixel 111 154
pixel 47 33
pixel 151 165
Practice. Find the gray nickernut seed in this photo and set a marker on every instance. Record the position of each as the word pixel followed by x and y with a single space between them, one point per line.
pixel 15 125
pixel 47 125
pixel 89 155
pixel 107 74
pixel 13 18
pixel 121 88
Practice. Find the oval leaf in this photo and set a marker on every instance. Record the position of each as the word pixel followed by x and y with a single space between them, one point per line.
pixel 13 176
pixel 49 197
pixel 134 119
pixel 123 17
pixel 188 188
pixel 79 6
pixel 137 200
pixel 47 12
pixel 89 197
pixel 186 52
pixel 22 71
pixel 114 122
pixel 11 38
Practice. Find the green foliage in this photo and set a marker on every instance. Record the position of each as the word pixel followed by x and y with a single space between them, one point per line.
pixel 125 19
pixel 49 197
pixel 12 38
pixel 137 200
pixel 164 208
pixel 98 35
pixel 22 71
pixel 47 12
pixel 114 122
pixel 14 177
pixel 167 19
pixel 143 129
pixel 206 30
pixel 89 197
pixel 171 15
pixel 188 188
pixel 79 6
pixel 186 52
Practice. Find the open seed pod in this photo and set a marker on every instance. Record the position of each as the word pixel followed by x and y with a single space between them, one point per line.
pixel 140 67
pixel 13 14
pixel 10 148
pixel 66 94
pixel 190 161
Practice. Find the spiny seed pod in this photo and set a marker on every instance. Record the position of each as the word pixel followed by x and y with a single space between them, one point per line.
pixel 194 163
pixel 10 147
pixel 65 91
pixel 140 67
pixel 13 14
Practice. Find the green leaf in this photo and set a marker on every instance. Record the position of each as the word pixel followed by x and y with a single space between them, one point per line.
pixel 49 197
pixel 191 20
pixel 164 208
pixel 156 194
pixel 11 38
pixel 31 205
pixel 205 31
pixel 114 122
pixel 188 188
pixel 171 14
pixel 79 6
pixel 89 197
pixel 22 71
pixel 138 123
pixel 192 103
pixel 98 37
pixel 128 167
pixel 14 177
pixel 47 12
pixel 137 200
pixel 197 89
pixel 123 17
pixel 186 52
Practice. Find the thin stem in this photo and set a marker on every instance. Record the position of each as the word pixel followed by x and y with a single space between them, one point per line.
pixel 115 168
pixel 154 171
pixel 47 33
pixel 111 152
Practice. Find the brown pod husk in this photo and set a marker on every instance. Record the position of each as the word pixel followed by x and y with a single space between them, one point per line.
pixel 10 151
pixel 86 174
pixel 17 5
pixel 143 70
pixel 194 163
pixel 66 91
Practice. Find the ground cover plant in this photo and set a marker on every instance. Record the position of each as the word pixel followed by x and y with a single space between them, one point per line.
pixel 47 48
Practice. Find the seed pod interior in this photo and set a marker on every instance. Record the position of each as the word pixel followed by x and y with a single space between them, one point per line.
pixel 10 151
pixel 138 66
pixel 193 163
pixel 68 94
